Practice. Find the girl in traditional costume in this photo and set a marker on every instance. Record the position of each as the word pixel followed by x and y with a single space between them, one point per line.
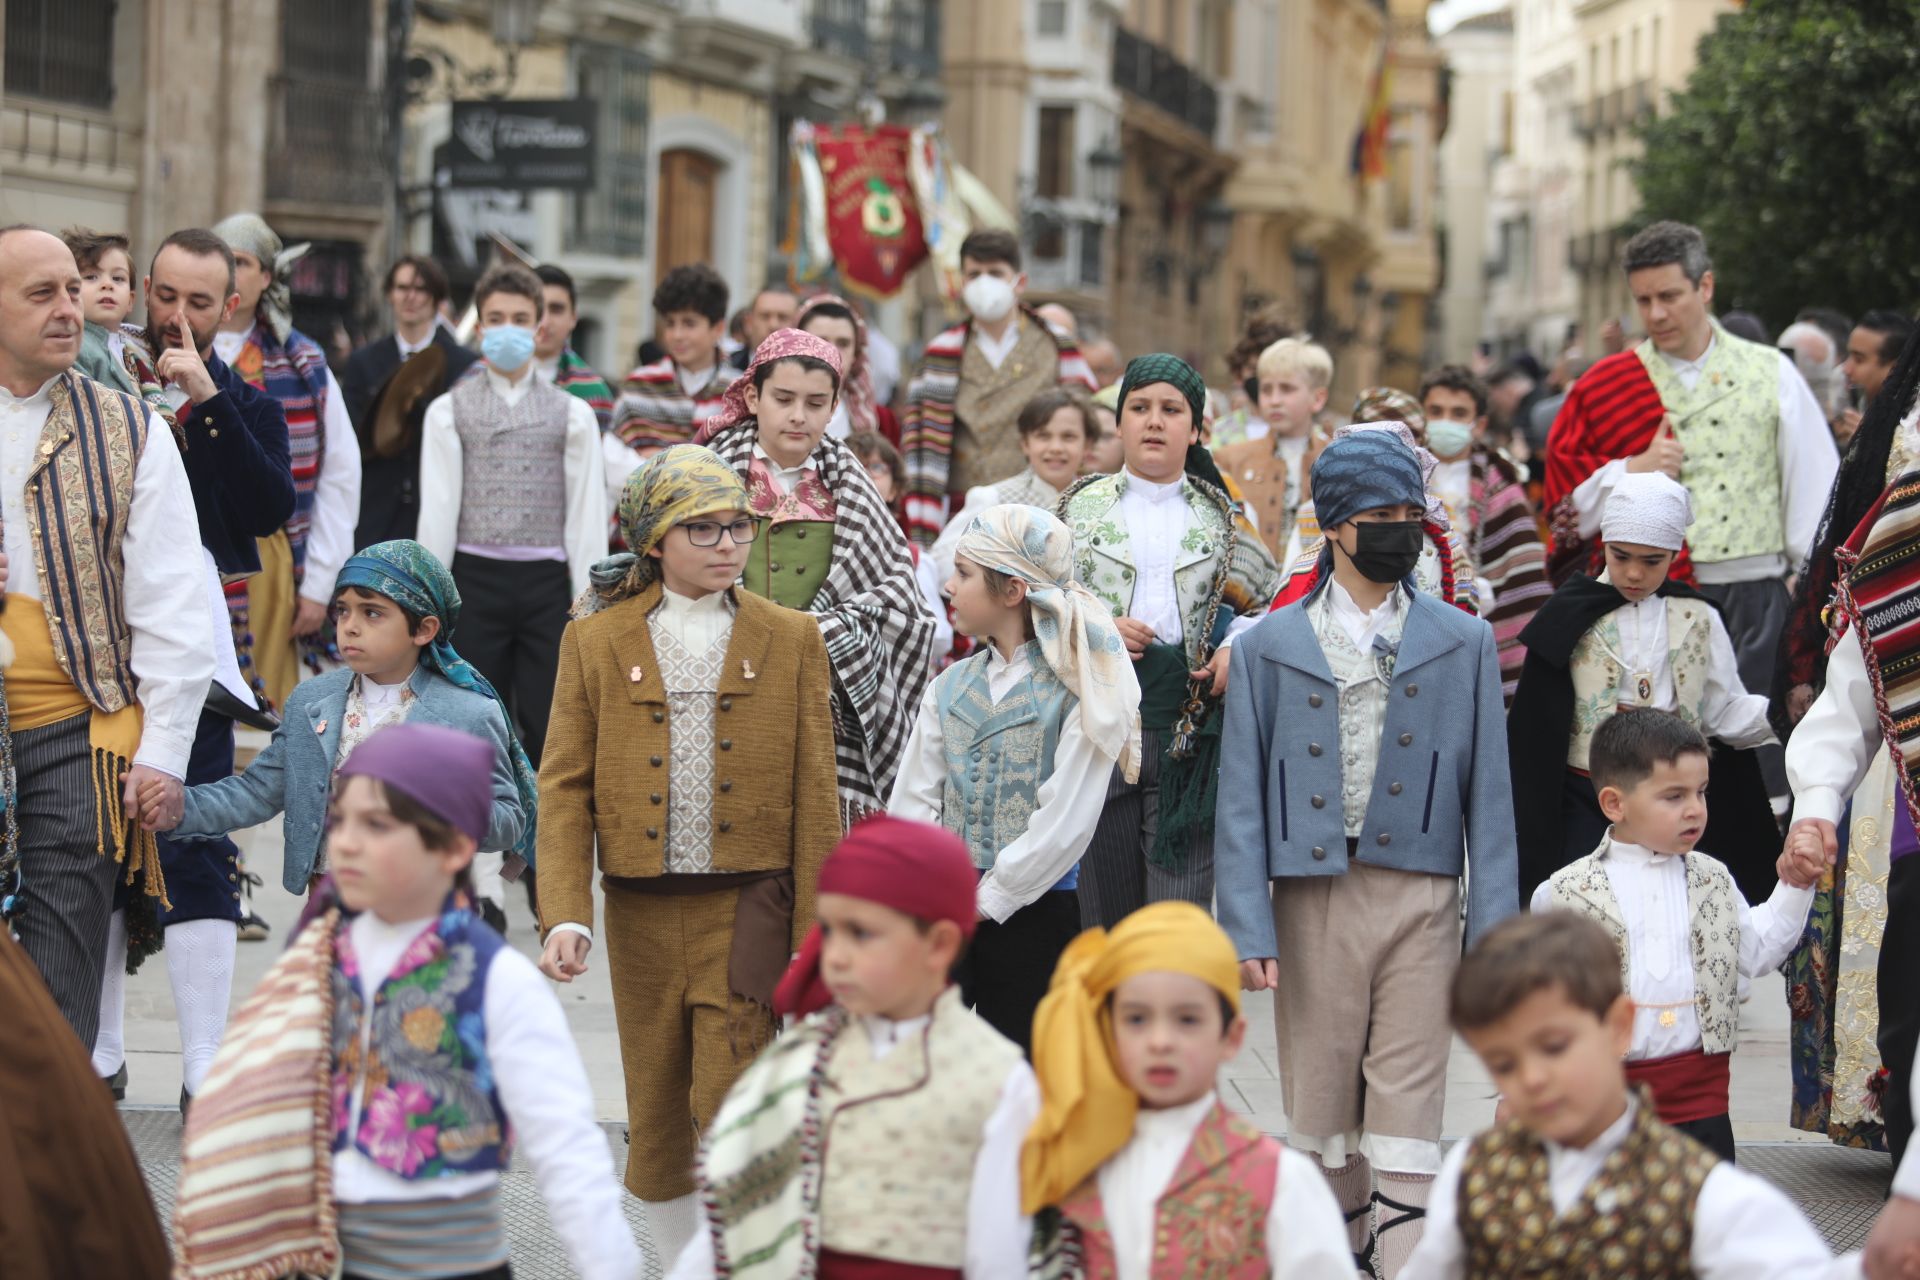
pixel 829 547
pixel 366 1097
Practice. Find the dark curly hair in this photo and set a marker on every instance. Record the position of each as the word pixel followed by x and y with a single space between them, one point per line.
pixel 695 287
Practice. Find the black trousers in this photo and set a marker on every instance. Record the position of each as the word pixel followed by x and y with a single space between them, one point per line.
pixel 1010 962
pixel 1900 1000
pixel 1715 1133
pixel 511 615
pixel 1755 614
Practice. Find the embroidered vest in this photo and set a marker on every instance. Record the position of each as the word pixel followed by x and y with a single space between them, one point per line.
pixel 902 1134
pixel 1271 487
pixel 1730 426
pixel 428 1105
pixel 1027 489
pixel 998 754
pixel 1364 680
pixel 296 375
pixel 692 683
pixel 1633 1221
pixel 1210 1223
pixel 1599 680
pixel 1583 886
pixel 514 460
pixel 79 495
pixel 987 404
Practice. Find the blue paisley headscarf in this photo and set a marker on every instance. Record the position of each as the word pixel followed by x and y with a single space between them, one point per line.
pixel 413 578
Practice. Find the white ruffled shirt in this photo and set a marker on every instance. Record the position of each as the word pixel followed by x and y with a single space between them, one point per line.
pixel 1157 518
pixel 1729 712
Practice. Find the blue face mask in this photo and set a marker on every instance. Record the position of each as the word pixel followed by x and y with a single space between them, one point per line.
pixel 1448 439
pixel 507 346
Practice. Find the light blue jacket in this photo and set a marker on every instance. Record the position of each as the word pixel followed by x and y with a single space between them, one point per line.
pixel 294 774
pixel 1442 791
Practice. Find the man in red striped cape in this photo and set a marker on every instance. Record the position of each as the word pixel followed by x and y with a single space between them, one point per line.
pixel 1730 419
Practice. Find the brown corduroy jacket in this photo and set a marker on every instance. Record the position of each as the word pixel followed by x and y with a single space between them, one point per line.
pixel 1260 476
pixel 605 771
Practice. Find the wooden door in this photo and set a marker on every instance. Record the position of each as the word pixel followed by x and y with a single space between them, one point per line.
pixel 687 182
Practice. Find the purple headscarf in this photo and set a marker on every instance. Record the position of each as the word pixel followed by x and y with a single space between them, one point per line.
pixel 449 773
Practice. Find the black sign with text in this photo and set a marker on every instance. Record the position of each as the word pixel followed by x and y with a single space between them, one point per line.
pixel 522 145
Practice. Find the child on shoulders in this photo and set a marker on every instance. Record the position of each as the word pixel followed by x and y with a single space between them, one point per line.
pixel 1688 940
pixel 925 1104
pixel 1584 1176
pixel 1150 1177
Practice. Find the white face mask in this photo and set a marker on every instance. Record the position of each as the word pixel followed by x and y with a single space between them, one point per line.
pixel 989 298
pixel 1449 439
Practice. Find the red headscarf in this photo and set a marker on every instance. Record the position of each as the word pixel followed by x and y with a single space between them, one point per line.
pixel 914 867
pixel 780 345
pixel 856 387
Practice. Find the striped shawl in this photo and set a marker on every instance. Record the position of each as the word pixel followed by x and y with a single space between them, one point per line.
pixel 1878 598
pixel 577 378
pixel 295 374
pixel 879 634
pixel 255 1194
pixel 1504 546
pixel 926 432
pixel 654 406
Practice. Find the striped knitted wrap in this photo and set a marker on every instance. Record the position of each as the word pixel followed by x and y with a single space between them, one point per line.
pixel 654 406
pixel 295 374
pixel 926 432
pixel 1878 597
pixel 1504 546
pixel 577 378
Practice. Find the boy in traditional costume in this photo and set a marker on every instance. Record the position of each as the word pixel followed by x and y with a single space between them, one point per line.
pixel 1633 638
pixel 692 763
pixel 1056 430
pixel 1585 1180
pixel 831 548
pixel 1014 745
pixel 973 380
pixel 554 358
pixel 1363 765
pixel 879 1139
pixel 1689 943
pixel 1183 574
pixel 1272 468
pixel 672 398
pixel 1143 1173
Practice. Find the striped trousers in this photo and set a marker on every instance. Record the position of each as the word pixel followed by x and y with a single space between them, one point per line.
pixel 1115 877
pixel 67 885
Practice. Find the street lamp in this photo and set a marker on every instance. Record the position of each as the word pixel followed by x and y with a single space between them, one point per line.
pixel 1216 227
pixel 1104 164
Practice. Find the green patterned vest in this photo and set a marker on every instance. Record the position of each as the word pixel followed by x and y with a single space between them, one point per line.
pixel 1634 1221
pixel 789 561
pixel 1600 679
pixel 1730 426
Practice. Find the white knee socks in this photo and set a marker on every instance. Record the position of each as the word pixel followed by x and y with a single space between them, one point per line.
pixel 1401 1203
pixel 200 967
pixel 110 1044
pixel 670 1224
pixel 1352 1185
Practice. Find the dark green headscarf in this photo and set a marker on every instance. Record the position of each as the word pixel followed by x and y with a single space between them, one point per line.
pixel 1164 367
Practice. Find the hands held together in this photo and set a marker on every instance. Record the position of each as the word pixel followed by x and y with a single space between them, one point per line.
pixel 1811 848
pixel 153 799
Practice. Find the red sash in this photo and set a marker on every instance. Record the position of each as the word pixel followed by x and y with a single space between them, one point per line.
pixel 850 1266
pixel 1686 1086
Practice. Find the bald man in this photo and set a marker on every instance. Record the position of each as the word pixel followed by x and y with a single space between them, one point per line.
pixel 108 614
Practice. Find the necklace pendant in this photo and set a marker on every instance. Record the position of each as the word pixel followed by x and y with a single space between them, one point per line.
pixel 1643 685
pixel 1668 1017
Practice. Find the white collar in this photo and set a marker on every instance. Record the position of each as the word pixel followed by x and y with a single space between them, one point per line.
pixel 43 396
pixel 1636 854
pixel 1153 490
pixel 1680 363
pixel 1344 603
pixel 1610 1137
pixel 549 368
pixel 1172 1122
pixel 1019 660
pixel 884 1034
pixel 768 458
pixel 505 386
pixel 692 606
pixel 410 348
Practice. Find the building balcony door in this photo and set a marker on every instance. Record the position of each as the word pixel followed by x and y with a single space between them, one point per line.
pixel 688 180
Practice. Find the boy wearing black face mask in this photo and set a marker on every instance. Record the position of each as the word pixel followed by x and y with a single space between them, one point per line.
pixel 1363 757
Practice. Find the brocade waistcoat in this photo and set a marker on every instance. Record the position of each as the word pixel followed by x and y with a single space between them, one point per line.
pixel 998 754
pixel 514 462
pixel 1599 678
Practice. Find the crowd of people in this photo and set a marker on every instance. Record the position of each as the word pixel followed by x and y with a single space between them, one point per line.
pixel 938 764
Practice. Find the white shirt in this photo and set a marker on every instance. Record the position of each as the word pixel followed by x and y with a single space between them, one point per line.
pixel 1068 802
pixel 1157 518
pixel 336 494
pixel 979 498
pixel 442 479
pixel 618 462
pixel 413 348
pixel 546 370
pixel 996 350
pixel 544 1089
pixel 784 478
pixel 1830 749
pixel 1305 1236
pixel 165 596
pixel 1727 711
pixel 377 697
pixel 1808 462
pixel 1652 891
pixel 1744 1227
pixel 694 381
pixel 1361 625
pixel 997 1232
pixel 927 574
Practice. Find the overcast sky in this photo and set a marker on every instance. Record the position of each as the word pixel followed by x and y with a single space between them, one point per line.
pixel 1445 14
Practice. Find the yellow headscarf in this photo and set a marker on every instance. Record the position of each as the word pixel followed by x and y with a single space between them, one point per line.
pixel 1087 1110
pixel 678 484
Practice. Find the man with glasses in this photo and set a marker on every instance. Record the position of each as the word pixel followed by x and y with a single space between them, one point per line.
pixel 387 386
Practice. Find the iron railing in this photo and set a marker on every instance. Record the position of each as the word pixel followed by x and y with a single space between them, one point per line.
pixel 60 50
pixel 840 26
pixel 1151 73
pixel 916 37
pixel 325 143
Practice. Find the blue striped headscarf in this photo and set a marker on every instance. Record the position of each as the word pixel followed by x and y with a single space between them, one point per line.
pixel 413 578
pixel 1362 471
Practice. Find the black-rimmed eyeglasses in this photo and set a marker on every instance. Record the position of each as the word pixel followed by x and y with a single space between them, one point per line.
pixel 706 533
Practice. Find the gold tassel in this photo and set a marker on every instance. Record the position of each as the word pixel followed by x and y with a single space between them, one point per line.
pixel 135 847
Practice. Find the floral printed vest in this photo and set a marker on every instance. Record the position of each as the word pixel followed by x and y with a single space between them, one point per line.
pixel 428 1107
pixel 998 754
pixel 1211 1223
pixel 1600 682
pixel 1634 1221
pixel 1584 887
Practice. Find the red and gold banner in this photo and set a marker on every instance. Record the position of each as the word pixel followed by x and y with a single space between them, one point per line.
pixel 873 223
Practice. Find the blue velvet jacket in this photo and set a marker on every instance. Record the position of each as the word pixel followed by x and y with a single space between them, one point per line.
pixel 240 468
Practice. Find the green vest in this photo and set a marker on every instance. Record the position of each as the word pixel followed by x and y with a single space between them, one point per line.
pixel 789 562
pixel 1730 426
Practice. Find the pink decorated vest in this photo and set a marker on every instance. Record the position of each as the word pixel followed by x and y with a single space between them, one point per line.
pixel 1211 1223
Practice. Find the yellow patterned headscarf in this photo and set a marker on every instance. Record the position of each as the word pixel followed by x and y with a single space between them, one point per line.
pixel 678 484
pixel 1086 1109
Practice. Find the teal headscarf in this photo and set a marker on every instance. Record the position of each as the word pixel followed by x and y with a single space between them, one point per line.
pixel 413 578
pixel 1144 371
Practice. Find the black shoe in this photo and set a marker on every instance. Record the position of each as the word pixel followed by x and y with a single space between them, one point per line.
pixel 494 916
pixel 117 1083
pixel 253 928
pixel 186 1100
pixel 222 702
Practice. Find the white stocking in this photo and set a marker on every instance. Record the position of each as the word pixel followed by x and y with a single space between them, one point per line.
pixel 670 1224
pixel 200 967
pixel 486 878
pixel 110 1043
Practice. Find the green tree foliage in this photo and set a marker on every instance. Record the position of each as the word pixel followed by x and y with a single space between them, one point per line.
pixel 1796 148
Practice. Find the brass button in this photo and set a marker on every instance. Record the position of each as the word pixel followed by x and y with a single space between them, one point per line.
pixel 1413 691
pixel 726 704
pixel 1383 839
pixel 1313 748
pixel 654 761
pixel 233 879
pixel 658 716
pixel 1319 802
pixel 726 744
pixel 653 833
pixel 1314 699
pixel 1319 854
pixel 725 827
pixel 1394 789
pixel 726 784
pixel 1406 739
pixel 655 797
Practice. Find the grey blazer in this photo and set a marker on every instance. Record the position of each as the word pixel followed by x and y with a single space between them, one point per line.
pixel 1441 790
pixel 294 774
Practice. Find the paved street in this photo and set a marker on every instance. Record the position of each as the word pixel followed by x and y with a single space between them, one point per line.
pixel 1841 1190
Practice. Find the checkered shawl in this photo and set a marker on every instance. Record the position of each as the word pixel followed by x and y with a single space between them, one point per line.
pixel 1878 597
pixel 879 634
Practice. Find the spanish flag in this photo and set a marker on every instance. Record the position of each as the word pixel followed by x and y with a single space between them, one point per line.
pixel 1370 144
